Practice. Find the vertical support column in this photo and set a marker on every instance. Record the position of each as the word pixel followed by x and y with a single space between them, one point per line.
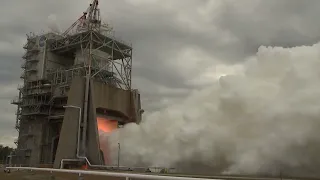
pixel 112 56
pixel 44 59
pixel 132 102
pixel 85 116
pixel 130 73
pixel 67 74
pixel 86 99
pixel 118 156
pixel 18 109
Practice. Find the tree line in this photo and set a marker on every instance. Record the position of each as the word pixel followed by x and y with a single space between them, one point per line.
pixel 4 152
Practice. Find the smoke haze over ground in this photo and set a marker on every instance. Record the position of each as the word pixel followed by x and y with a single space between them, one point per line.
pixel 263 120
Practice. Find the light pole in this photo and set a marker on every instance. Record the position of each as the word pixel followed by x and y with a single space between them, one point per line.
pixel 118 156
pixel 79 125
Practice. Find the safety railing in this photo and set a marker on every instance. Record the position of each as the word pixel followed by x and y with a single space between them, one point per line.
pixel 127 176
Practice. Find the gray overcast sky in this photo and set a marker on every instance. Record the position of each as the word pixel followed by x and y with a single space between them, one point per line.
pixel 179 45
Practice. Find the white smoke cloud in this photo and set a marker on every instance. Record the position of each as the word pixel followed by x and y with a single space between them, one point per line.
pixel 53 24
pixel 266 120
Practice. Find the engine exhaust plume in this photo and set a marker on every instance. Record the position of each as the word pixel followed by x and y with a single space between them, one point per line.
pixel 265 121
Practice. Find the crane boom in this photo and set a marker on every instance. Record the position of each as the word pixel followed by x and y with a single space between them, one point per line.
pixel 73 25
pixel 88 21
pixel 94 15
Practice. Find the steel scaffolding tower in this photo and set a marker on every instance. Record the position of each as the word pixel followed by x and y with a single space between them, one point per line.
pixel 87 49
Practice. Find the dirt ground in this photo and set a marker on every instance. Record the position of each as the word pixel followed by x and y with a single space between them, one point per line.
pixel 37 175
pixel 25 175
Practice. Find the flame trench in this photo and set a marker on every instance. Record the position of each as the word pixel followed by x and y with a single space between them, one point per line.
pixel 105 128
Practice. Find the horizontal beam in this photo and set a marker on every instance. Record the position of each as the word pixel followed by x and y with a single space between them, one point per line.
pixel 111 174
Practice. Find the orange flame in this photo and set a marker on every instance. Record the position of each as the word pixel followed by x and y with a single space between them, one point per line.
pixel 105 126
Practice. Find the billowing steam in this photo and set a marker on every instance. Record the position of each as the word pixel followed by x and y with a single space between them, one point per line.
pixel 264 121
pixel 53 25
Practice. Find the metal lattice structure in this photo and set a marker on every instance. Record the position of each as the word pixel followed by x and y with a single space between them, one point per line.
pixel 51 62
pixel 115 67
